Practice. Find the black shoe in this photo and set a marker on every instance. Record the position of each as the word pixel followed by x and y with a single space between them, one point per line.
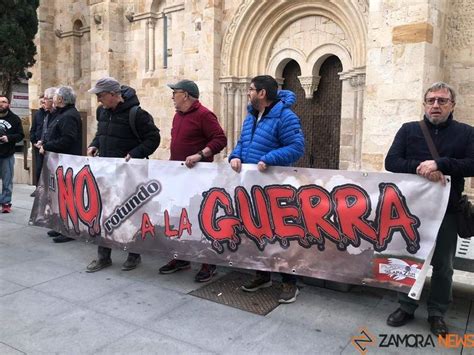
pixel 53 234
pixel 438 326
pixel 206 273
pixel 62 239
pixel 33 194
pixel 399 318
pixel 131 262
pixel 174 265
pixel 257 284
pixel 97 265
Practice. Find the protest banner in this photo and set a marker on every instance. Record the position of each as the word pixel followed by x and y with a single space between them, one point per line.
pixel 355 227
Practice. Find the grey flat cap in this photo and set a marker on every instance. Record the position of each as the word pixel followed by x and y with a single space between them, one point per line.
pixel 186 85
pixel 106 84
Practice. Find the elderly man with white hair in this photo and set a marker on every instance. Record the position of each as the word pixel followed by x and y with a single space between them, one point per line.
pixel 64 131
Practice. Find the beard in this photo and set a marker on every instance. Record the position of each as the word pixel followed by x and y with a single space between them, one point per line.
pixel 3 110
pixel 437 120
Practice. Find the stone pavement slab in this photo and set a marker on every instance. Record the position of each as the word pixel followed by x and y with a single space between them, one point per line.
pixel 49 304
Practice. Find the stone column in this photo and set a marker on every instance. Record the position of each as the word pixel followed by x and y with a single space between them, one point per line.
pixel 358 83
pixel 150 45
pixel 230 117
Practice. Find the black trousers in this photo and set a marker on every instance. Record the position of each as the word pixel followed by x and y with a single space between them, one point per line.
pixel 38 163
pixel 285 278
pixel 442 278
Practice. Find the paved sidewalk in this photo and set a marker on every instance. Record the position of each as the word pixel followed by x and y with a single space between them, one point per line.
pixel 49 304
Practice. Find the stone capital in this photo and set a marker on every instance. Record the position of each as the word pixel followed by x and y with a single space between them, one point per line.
pixel 309 84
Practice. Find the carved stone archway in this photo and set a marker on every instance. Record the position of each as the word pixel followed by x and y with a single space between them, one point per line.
pixel 254 45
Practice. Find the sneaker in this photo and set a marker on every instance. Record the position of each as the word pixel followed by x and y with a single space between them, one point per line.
pixel 62 239
pixel 256 284
pixel 288 293
pixel 131 262
pixel 97 265
pixel 52 234
pixel 206 273
pixel 174 265
pixel 6 208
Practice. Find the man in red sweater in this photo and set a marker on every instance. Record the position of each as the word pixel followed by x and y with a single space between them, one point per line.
pixel 196 136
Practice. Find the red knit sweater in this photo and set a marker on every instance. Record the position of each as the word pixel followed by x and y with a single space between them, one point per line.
pixel 194 130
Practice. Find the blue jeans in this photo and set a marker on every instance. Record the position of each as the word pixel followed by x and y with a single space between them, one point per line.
pixel 6 174
pixel 442 279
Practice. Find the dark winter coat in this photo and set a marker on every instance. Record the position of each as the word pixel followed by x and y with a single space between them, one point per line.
pixel 37 125
pixel 115 138
pixel 64 131
pixel 455 144
pixel 10 125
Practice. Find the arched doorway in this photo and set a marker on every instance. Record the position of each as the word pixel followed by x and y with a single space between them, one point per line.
pixel 320 116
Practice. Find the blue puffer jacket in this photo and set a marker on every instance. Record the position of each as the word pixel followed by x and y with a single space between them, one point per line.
pixel 276 139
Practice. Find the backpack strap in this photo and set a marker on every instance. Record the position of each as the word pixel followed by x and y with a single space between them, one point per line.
pixel 132 121
pixel 429 140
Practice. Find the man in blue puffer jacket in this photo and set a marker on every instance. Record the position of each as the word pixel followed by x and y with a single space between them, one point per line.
pixel 271 135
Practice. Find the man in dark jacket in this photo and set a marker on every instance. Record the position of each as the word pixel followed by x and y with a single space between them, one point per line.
pixel 35 136
pixel 115 138
pixel 271 135
pixel 196 136
pixel 64 134
pixel 11 132
pixel 409 153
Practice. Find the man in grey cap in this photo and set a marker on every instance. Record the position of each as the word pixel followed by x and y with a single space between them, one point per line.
pixel 196 136
pixel 116 138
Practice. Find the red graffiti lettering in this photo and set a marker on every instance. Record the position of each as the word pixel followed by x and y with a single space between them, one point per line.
pixel 316 209
pixel 284 212
pixel 67 206
pixel 217 228
pixel 147 226
pixel 255 217
pixel 393 215
pixel 79 199
pixel 308 215
pixel 184 225
pixel 169 232
pixel 352 210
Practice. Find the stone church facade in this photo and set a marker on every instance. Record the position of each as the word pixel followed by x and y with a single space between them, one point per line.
pixel 359 67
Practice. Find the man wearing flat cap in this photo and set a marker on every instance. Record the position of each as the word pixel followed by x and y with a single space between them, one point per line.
pixel 116 138
pixel 196 136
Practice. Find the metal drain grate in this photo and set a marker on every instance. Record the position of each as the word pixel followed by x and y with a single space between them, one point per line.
pixel 226 290
pixel 464 259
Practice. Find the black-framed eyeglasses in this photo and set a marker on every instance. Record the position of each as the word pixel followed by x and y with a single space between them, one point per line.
pixel 253 89
pixel 441 101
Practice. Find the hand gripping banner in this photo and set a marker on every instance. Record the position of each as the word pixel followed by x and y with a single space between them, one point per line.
pixel 363 228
